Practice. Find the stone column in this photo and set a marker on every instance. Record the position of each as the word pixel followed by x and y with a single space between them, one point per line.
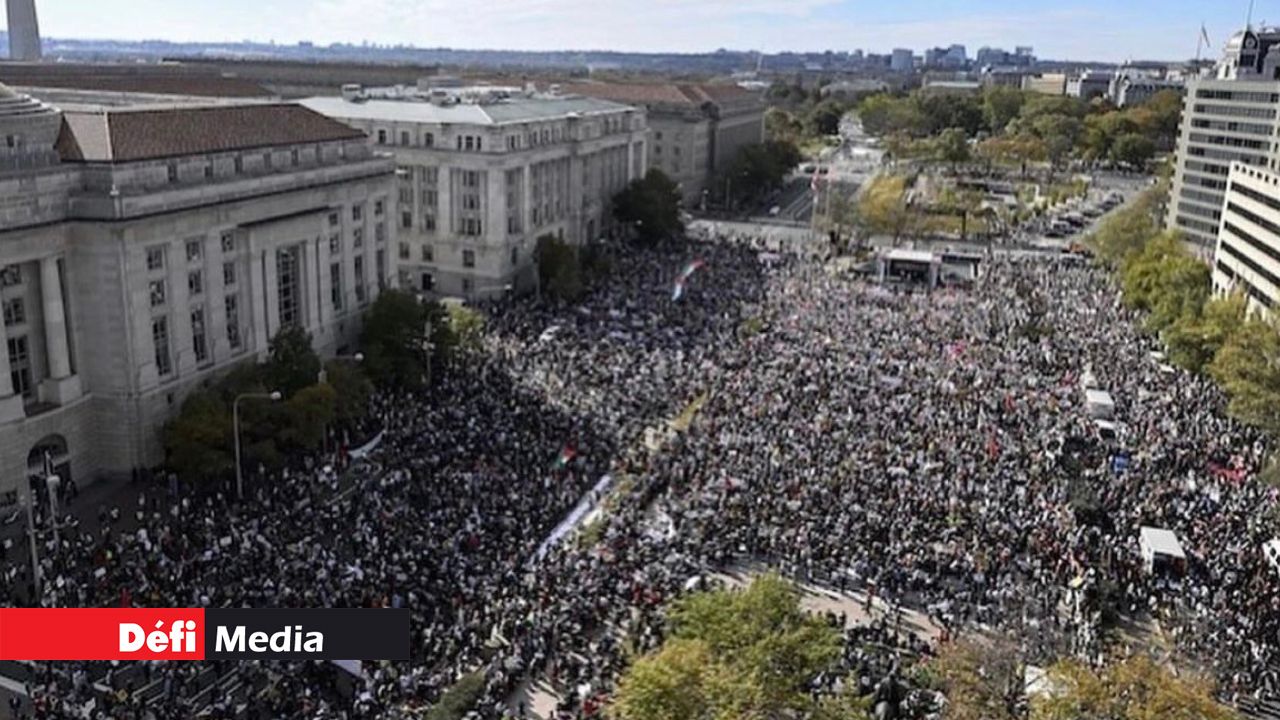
pixel 61 386
pixel 55 319
pixel 11 405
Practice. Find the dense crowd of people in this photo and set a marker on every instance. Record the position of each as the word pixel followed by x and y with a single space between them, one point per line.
pixel 931 448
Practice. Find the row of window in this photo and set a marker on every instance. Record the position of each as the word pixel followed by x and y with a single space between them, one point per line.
pixel 1231 126
pixel 1238 96
pixel 1263 299
pixel 237 163
pixel 468 256
pixel 1229 141
pixel 1245 260
pixel 1236 111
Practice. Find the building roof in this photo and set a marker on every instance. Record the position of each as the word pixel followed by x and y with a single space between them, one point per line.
pixel 124 135
pixel 502 112
pixel 665 93
pixel 156 79
pixel 1158 541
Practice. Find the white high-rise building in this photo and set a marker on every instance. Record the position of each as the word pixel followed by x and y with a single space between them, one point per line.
pixel 1247 256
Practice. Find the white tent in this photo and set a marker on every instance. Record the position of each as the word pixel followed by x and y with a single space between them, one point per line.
pixel 1099 404
pixel 1161 548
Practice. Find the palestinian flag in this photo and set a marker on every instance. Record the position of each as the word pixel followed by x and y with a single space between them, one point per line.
pixel 566 456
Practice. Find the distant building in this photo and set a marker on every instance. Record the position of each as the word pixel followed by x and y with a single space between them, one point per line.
pixel 1247 255
pixel 1046 83
pixel 146 250
pixel 951 87
pixel 1003 76
pixel 1127 90
pixel 853 89
pixel 695 131
pixel 1088 84
pixel 902 60
pixel 481 180
pixel 1022 57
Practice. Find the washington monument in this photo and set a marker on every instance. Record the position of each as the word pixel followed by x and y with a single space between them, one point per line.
pixel 24 31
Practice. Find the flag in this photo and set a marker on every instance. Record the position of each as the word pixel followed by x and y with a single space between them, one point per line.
pixel 686 272
pixel 993 447
pixel 567 454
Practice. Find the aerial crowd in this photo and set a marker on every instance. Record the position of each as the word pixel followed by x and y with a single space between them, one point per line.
pixel 929 448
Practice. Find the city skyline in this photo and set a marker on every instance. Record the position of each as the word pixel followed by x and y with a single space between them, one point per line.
pixel 1087 30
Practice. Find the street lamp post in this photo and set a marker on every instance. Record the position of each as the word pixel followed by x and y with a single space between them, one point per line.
pixel 273 396
pixel 31 537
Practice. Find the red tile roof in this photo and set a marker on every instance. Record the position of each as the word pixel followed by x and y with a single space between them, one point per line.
pixel 130 135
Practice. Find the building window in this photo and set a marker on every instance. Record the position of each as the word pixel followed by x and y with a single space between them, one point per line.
pixel 157 291
pixel 380 232
pixel 293 157
pixel 378 207
pixel 380 267
pixel 288 290
pixel 155 258
pixel 199 343
pixel 229 274
pixel 469 143
pixel 11 276
pixel 228 242
pixel 239 164
pixel 467 285
pixel 429 140
pixel 195 282
pixel 404 137
pixel 173 172
pixel 195 250
pixel 335 285
pixel 429 223
pixel 231 307
pixel 359 272
pixel 382 137
pixel 20 367
pixel 515 256
pixel 333 219
pixel 406 219
pixel 160 338
pixel 335 244
pixel 266 160
pixel 469 258
pixel 404 250
pixel 15 313
pixel 428 253
pixel 208 171
pixel 357 237
pixel 357 212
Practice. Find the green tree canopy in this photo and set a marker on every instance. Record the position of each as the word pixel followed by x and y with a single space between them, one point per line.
pixel 292 364
pixel 1133 150
pixel 1133 689
pixel 393 339
pixel 732 654
pixel 1248 368
pixel 559 269
pixel 1000 105
pixel 197 442
pixel 651 206
pixel 1194 339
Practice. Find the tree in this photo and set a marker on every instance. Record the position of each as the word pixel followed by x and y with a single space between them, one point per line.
pixel 1165 281
pixel 782 126
pixel 467 325
pixel 352 388
pixel 1000 105
pixel 882 113
pixel 309 413
pixel 1060 134
pixel 1194 340
pixel 1127 231
pixel 650 205
pixel 197 442
pixel 758 169
pixel 1133 150
pixel 824 118
pixel 732 654
pixel 1135 688
pixel 558 269
pixel 940 112
pixel 1248 369
pixel 292 364
pixel 953 147
pixel 394 338
pixel 885 208
pixel 982 680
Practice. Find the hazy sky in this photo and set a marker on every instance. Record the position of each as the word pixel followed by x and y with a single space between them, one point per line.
pixel 1085 29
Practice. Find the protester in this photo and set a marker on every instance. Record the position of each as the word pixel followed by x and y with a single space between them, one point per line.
pixel 931 448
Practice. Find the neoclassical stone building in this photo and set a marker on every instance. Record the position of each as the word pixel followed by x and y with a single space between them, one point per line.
pixel 145 250
pixel 482 177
